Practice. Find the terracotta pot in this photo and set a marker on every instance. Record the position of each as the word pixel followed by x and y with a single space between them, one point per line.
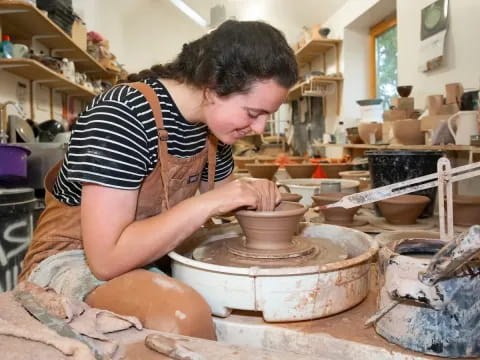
pixel 466 210
pixel 262 171
pixel 241 161
pixel 407 132
pixel 291 197
pixel 362 176
pixel 333 170
pixel 365 129
pixel 271 229
pixel 337 215
pixel 301 170
pixel 403 209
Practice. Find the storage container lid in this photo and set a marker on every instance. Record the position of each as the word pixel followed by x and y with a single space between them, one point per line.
pixel 16 195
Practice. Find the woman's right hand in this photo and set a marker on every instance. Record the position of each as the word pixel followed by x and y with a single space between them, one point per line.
pixel 259 194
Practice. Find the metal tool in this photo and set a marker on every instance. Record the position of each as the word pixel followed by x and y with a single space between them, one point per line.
pixel 443 178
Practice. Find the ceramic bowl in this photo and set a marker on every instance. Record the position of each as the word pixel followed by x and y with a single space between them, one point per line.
pixel 271 229
pixel 332 171
pixel 466 210
pixel 403 209
pixel 363 176
pixel 262 171
pixel 241 161
pixel 337 215
pixel 404 91
pixel 304 171
pixel 291 197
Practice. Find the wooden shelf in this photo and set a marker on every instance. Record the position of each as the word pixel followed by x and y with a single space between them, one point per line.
pixel 296 91
pixel 25 23
pixel 405 147
pixel 314 48
pixel 33 70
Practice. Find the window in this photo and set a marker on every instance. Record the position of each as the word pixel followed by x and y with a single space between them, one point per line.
pixel 383 42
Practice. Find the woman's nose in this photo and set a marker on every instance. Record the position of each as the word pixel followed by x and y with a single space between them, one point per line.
pixel 258 126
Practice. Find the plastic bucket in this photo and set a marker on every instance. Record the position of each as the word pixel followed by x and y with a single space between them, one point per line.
pixel 16 228
pixel 13 165
pixel 391 166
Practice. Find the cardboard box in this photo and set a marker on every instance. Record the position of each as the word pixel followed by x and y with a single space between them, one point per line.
pixel 79 34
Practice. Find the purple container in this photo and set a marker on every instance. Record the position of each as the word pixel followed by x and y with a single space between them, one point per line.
pixel 13 164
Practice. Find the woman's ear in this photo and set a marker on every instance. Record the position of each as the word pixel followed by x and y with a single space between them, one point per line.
pixel 209 96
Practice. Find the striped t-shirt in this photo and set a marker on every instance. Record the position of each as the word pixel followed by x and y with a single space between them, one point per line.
pixel 114 143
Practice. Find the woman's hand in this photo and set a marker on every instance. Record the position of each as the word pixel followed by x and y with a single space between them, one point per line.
pixel 259 194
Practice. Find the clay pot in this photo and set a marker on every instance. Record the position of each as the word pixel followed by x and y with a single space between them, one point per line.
pixel 241 161
pixel 403 209
pixel 271 229
pixel 362 176
pixel 301 170
pixel 296 159
pixel 466 210
pixel 265 159
pixel 404 91
pixel 337 215
pixel 262 171
pixel 291 197
pixel 407 132
pixel 365 129
pixel 332 171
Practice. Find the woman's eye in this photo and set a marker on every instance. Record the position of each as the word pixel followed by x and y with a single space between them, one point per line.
pixel 253 116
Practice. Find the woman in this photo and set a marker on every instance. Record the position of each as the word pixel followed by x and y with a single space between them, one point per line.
pixel 124 194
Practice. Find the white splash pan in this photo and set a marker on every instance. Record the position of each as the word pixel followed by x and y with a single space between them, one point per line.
pixel 281 294
pixel 309 187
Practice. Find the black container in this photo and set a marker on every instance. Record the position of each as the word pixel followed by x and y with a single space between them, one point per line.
pixel 392 166
pixel 16 227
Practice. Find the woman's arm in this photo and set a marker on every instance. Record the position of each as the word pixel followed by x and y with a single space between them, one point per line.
pixel 116 243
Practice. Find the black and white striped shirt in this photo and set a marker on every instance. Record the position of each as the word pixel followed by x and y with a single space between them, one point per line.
pixel 114 142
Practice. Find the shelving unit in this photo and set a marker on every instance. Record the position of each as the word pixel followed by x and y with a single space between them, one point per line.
pixel 35 71
pixel 25 23
pixel 305 55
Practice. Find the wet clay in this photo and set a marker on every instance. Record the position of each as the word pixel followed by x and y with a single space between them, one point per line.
pixel 336 215
pixel 262 171
pixel 300 170
pixel 403 209
pixel 466 210
pixel 271 229
pixel 291 197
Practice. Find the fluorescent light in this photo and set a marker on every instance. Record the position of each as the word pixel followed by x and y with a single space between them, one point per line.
pixel 192 14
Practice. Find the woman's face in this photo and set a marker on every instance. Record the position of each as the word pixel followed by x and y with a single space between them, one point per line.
pixel 232 117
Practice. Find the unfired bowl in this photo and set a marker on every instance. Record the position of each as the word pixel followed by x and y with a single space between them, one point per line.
pixel 241 161
pixel 332 171
pixel 262 171
pixel 302 171
pixel 336 215
pixel 466 210
pixel 271 229
pixel 403 209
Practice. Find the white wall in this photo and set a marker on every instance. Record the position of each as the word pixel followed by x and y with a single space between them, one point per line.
pixel 461 63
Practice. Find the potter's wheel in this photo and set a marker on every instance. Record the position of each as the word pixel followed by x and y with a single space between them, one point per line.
pixel 302 252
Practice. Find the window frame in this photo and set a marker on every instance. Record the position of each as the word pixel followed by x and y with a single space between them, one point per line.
pixel 375 31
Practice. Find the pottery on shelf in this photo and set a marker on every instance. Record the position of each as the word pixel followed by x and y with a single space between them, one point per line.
pixel 336 215
pixel 353 136
pixel 466 210
pixel 241 161
pixel 262 171
pixel 408 132
pixel 271 229
pixel 362 176
pixel 404 91
pixel 324 32
pixel 291 197
pixel 403 209
pixel 370 131
pixel 300 170
pixel 332 171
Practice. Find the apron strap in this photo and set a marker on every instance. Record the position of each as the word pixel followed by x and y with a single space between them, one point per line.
pixel 212 159
pixel 152 99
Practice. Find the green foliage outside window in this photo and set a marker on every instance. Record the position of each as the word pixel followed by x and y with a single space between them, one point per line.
pixel 386 65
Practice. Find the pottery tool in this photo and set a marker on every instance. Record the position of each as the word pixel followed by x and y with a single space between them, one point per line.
pixel 171 348
pixel 443 179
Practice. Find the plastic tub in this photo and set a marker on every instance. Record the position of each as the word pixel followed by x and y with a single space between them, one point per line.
pixel 13 164
pixel 392 166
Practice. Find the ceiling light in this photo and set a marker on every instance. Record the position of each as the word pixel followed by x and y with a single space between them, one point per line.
pixel 192 14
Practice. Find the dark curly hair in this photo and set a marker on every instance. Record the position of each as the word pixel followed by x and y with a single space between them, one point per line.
pixel 230 59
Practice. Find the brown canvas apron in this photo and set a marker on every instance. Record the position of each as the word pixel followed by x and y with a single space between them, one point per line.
pixel 171 181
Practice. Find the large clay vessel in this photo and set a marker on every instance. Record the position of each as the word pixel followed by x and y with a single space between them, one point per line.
pixel 366 129
pixel 271 229
pixel 466 210
pixel 403 209
pixel 262 171
pixel 332 171
pixel 300 170
pixel 241 161
pixel 336 215
pixel 407 132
